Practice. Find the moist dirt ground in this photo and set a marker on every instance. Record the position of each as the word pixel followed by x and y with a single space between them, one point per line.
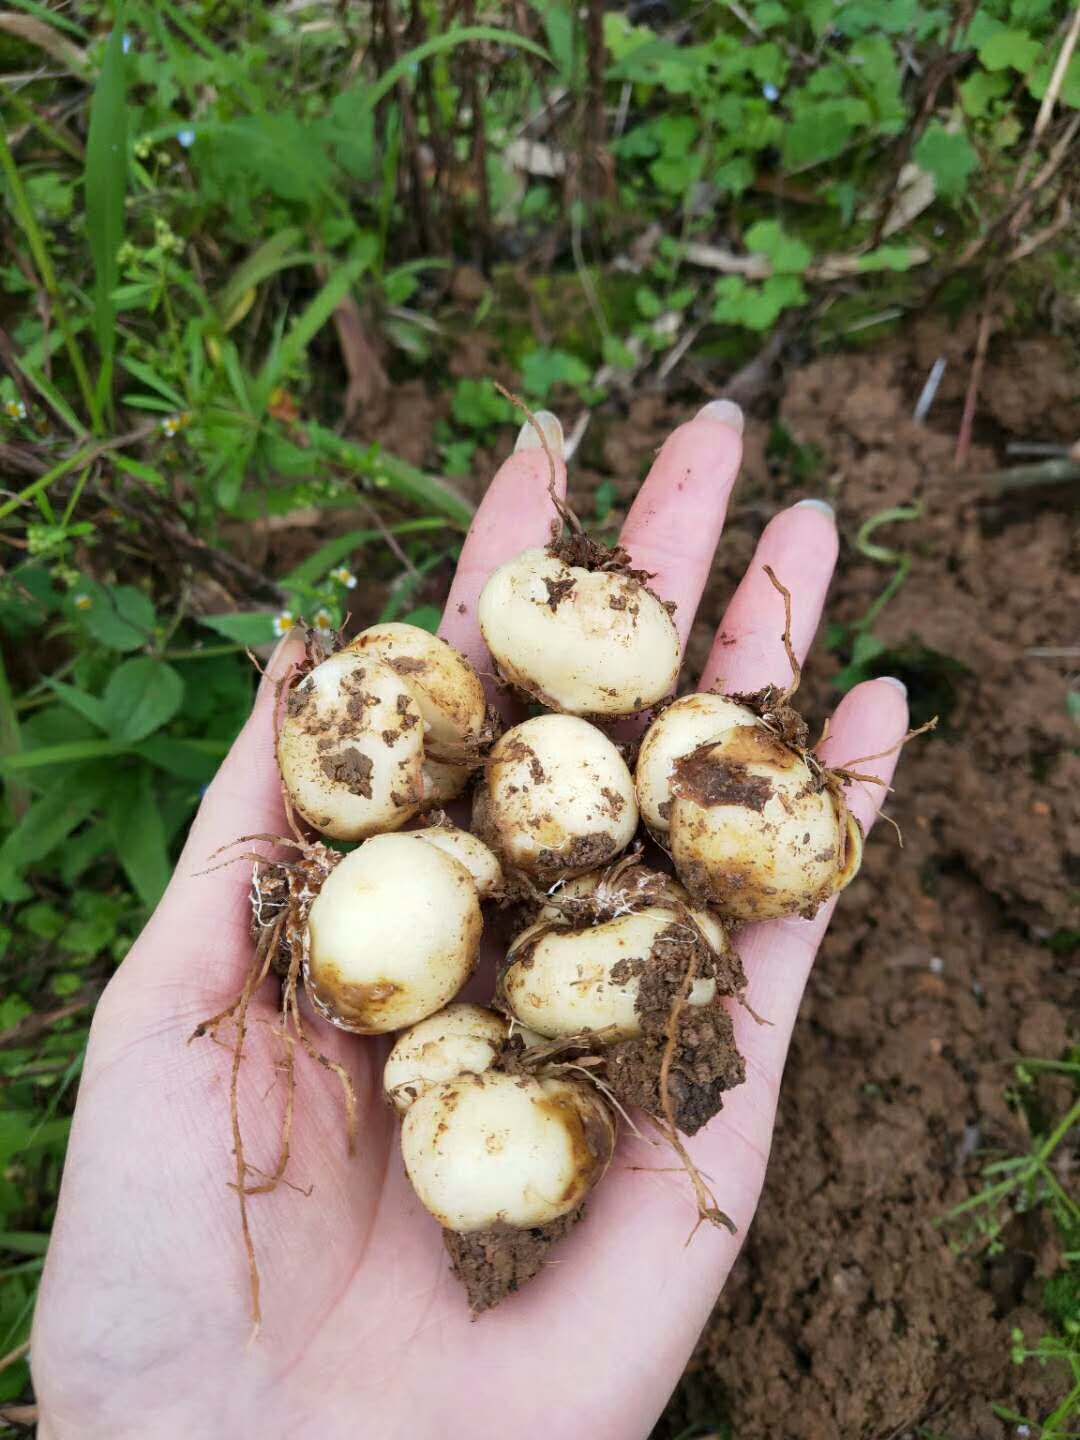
pixel 852 1313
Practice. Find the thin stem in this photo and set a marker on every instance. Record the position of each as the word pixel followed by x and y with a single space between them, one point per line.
pixel 25 216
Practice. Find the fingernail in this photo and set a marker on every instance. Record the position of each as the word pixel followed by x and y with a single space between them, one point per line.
pixel 822 505
pixel 528 439
pixel 724 411
pixel 892 680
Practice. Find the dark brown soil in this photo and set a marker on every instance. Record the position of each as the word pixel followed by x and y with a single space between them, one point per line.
pixel 704 1061
pixel 492 1264
pixel 850 1313
pixel 704 1065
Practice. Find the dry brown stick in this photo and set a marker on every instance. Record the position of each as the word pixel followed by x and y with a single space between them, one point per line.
pixel 478 143
pixel 941 68
pixel 19 1414
pixel 412 132
pixel 793 659
pixel 14 1356
pixel 34 1025
pixel 1049 100
pixel 971 398
pixel 1012 217
pixel 564 511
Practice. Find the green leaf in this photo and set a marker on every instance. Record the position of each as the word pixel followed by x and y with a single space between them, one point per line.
pixel 788 255
pixel 142 695
pixel 88 706
pixel 52 817
pixel 138 831
pixel 817 132
pixel 949 157
pixel 477 405
pixel 118 617
pixel 755 306
pixel 542 370
pixel 889 257
pixel 23 1242
pixel 734 175
pixel 246 627
pixel 1010 50
pixel 106 182
pixel 427 617
pixel 980 90
pixel 193 760
pixel 648 302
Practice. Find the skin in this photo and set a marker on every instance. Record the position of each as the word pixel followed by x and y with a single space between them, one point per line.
pixel 143 1325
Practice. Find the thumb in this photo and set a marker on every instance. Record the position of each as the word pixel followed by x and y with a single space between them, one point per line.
pixel 207 894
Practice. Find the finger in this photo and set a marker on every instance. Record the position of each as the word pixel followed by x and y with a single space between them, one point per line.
pixel 244 798
pixel 675 522
pixel 800 546
pixel 778 956
pixel 515 514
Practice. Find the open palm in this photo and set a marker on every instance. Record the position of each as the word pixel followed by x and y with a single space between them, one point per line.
pixel 143 1323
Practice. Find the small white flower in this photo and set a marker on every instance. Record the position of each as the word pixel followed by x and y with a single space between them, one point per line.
pixel 125 44
pixel 284 622
pixel 324 622
pixel 937 965
pixel 82 601
pixel 1023 1431
pixel 15 410
pixel 186 138
pixel 344 576
pixel 770 92
pixel 172 424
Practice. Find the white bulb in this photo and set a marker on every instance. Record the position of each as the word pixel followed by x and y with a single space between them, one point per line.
pixel 478 858
pixel 584 642
pixel 562 981
pixel 393 935
pixel 559 798
pixel 495 1149
pixel 442 682
pixel 689 722
pixel 755 832
pixel 457 1040
pixel 350 748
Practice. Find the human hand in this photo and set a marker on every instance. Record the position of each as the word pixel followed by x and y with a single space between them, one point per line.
pixel 143 1323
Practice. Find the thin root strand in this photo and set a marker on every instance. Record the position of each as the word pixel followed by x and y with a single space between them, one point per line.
pixel 793 661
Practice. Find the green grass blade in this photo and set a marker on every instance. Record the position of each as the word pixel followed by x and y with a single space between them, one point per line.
pixel 449 41
pixel 48 391
pixel 64 754
pixel 16 795
pixel 273 255
pixel 312 320
pixel 387 472
pixel 106 182
pixel 342 547
pixel 51 17
pixel 24 215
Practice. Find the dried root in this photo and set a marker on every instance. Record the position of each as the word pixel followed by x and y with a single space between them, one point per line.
pixel 281 895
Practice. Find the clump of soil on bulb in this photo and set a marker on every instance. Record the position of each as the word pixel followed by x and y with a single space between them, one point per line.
pixel 696 1042
pixel 495 1263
